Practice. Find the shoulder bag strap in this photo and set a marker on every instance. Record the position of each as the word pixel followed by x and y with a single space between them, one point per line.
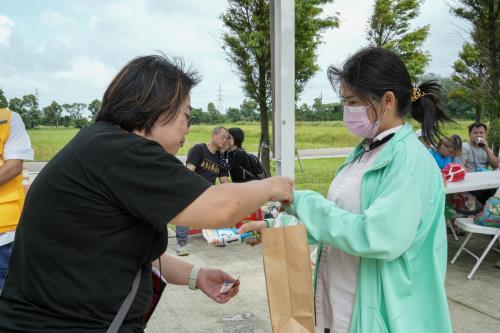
pixel 122 313
pixel 245 171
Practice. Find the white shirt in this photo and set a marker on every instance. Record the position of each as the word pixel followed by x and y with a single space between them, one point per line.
pixel 338 270
pixel 17 147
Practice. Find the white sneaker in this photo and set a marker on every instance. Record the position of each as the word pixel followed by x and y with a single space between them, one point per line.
pixel 181 250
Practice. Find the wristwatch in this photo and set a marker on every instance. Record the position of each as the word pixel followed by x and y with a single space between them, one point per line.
pixel 193 276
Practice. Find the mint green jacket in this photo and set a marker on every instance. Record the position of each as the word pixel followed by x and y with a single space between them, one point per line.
pixel 400 237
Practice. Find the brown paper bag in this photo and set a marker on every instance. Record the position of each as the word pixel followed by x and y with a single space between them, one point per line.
pixel 288 279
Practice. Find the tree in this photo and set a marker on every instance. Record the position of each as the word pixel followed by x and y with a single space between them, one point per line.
pixel 249 110
pixel 53 113
pixel 389 27
pixel 66 121
pixel 494 135
pixel 214 115
pixel 246 42
pixel 233 115
pixel 27 107
pixel 94 107
pixel 457 102
pixel 200 117
pixel 32 114
pixel 16 105
pixel 3 100
pixel 484 15
pixel 470 73
pixel 75 112
pixel 303 112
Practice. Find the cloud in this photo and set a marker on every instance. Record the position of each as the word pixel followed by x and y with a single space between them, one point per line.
pixel 86 71
pixel 6 25
pixel 70 50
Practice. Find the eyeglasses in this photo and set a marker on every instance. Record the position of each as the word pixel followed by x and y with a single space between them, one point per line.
pixel 189 119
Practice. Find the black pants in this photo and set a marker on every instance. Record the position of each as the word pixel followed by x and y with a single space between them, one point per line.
pixel 327 330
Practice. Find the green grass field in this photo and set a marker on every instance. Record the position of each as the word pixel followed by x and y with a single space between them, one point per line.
pixel 308 135
pixel 317 174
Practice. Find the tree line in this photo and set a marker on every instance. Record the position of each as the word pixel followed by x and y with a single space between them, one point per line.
pixel 77 115
pixel 245 39
pixel 80 115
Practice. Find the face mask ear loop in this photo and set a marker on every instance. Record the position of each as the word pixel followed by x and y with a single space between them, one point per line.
pixel 377 121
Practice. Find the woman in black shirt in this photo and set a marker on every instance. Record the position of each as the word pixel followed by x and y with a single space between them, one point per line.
pixel 97 214
pixel 240 167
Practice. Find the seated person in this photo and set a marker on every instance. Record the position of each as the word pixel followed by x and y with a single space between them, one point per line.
pixel 449 150
pixel 240 166
pixel 479 157
pixel 477 154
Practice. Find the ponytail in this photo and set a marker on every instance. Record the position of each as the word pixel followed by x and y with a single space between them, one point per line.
pixel 427 108
pixel 373 71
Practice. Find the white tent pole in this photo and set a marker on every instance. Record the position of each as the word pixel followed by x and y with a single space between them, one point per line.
pixel 283 84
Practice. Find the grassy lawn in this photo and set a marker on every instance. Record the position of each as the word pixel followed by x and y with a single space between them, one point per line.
pixel 308 135
pixel 317 175
pixel 48 141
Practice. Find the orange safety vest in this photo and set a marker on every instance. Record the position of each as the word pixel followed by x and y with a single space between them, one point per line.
pixel 11 192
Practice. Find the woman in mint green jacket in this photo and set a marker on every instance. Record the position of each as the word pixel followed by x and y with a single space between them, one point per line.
pixel 382 247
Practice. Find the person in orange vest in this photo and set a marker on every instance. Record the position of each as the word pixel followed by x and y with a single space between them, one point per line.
pixel 15 148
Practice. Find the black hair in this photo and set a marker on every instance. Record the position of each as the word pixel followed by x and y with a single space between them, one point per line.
pixel 146 89
pixel 373 71
pixel 238 136
pixel 477 125
pixel 456 142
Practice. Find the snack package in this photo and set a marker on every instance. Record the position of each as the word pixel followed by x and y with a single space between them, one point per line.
pixel 225 236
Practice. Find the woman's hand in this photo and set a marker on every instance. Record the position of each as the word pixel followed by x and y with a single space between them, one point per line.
pixel 281 188
pixel 210 282
pixel 250 226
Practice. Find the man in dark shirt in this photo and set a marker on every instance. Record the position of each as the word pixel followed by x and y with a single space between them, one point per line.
pixel 204 159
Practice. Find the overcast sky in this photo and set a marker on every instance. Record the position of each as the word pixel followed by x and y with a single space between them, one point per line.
pixel 69 51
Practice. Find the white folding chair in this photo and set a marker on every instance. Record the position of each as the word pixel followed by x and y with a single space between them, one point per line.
pixel 452 228
pixel 468 226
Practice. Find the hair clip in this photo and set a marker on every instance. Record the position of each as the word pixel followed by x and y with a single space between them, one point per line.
pixel 416 93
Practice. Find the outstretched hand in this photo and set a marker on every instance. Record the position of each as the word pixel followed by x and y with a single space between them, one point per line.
pixel 250 226
pixel 281 188
pixel 210 282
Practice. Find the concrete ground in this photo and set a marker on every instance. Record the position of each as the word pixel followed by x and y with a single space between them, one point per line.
pixel 474 304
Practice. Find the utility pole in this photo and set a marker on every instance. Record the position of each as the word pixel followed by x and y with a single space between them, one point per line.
pixel 220 107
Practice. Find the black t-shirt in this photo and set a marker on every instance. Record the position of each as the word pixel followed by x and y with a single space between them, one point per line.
pixel 207 163
pixel 94 215
pixel 224 162
pixel 239 160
